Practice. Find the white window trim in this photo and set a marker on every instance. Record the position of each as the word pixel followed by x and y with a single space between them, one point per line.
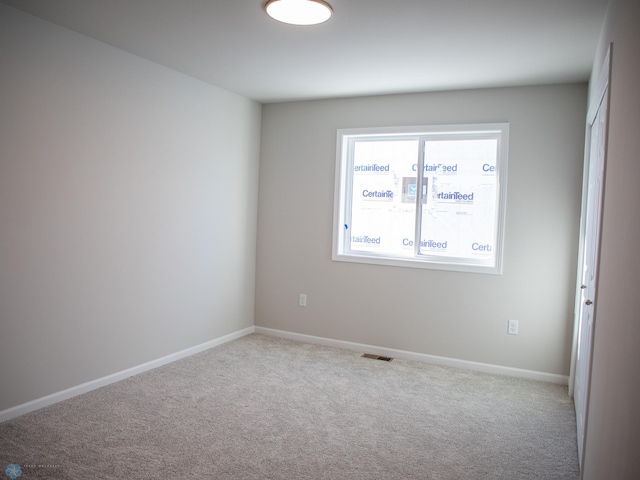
pixel 342 187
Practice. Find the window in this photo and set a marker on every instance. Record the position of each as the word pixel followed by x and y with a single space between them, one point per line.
pixel 450 217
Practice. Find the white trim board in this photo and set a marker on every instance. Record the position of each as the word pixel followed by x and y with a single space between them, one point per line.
pixel 48 400
pixel 421 357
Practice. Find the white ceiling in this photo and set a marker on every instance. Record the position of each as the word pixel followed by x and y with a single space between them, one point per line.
pixel 368 47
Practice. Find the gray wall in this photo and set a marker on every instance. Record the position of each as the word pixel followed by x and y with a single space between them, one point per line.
pixel 458 315
pixel 613 420
pixel 127 209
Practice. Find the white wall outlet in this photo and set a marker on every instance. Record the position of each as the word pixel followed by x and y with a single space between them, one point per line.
pixel 302 301
pixel 513 327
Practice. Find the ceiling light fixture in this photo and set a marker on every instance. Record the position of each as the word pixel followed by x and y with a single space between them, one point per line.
pixel 299 12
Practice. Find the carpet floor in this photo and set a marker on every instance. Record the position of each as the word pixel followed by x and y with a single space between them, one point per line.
pixel 267 408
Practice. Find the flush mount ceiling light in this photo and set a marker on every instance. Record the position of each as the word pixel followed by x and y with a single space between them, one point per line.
pixel 299 12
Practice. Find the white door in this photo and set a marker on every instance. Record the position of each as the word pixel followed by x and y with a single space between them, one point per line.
pixel 585 306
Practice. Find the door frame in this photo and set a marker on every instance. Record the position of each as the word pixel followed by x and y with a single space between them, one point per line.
pixel 601 90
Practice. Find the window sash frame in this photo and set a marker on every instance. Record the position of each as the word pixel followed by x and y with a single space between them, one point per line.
pixel 343 194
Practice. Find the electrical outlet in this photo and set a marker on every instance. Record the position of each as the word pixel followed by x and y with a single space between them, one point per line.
pixel 302 301
pixel 513 327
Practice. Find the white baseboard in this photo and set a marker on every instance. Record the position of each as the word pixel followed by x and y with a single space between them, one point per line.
pixel 42 402
pixel 422 357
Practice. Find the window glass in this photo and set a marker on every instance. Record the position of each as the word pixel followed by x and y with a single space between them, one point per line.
pixel 383 210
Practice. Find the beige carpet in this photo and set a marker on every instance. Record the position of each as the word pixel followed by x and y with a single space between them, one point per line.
pixel 267 408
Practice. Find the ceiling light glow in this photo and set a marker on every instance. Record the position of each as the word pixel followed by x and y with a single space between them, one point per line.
pixel 299 12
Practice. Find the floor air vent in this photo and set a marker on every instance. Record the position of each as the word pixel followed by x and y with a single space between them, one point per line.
pixel 377 357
